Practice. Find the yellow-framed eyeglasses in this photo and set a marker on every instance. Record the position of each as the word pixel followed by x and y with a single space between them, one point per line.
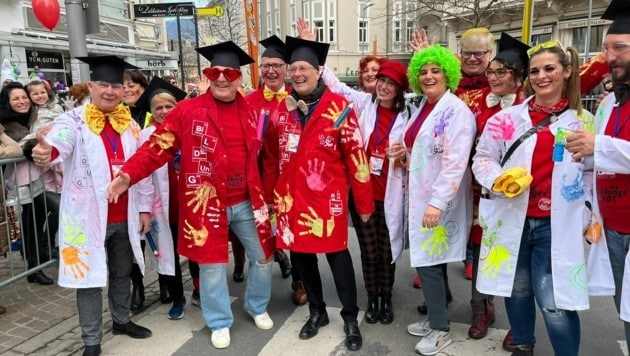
pixel 549 44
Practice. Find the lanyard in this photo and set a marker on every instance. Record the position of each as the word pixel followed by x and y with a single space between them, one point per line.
pixel 113 142
pixel 303 119
pixel 415 127
pixel 617 127
pixel 386 134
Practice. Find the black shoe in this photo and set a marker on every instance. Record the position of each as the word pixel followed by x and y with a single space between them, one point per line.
pixel 133 330
pixel 422 309
pixel 315 320
pixel 371 313
pixel 92 350
pixel 387 313
pixel 40 278
pixel 523 350
pixel 238 276
pixel 285 267
pixel 353 336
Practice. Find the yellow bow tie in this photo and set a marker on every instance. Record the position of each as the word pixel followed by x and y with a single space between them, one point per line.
pixel 120 118
pixel 269 94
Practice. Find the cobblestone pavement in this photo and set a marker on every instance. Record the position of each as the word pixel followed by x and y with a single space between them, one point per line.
pixel 42 320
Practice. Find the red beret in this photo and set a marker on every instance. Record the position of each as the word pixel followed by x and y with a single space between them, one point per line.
pixel 395 71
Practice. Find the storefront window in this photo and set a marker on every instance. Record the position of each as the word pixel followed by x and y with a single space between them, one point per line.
pixel 595 42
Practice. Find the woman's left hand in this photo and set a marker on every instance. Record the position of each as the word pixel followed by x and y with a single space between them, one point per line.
pixel 145 223
pixel 431 217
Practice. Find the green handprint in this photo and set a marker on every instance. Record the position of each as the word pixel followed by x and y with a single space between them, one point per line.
pixel 74 234
pixel 495 260
pixel 438 241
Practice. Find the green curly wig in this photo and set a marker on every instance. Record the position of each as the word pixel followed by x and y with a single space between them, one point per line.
pixel 434 55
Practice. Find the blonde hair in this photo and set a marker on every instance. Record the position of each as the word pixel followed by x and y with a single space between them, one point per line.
pixel 162 95
pixel 476 35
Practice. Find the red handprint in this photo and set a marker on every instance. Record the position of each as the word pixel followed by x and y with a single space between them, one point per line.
pixel 503 128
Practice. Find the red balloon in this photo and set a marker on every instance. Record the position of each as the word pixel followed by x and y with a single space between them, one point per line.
pixel 47 12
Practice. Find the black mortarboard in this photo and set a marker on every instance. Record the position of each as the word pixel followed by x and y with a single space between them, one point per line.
pixel 619 12
pixel 512 51
pixel 226 54
pixel 274 47
pixel 108 69
pixel 158 85
pixel 297 49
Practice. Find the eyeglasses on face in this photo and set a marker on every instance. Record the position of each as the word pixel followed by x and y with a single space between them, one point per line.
pixel 105 85
pixel 275 66
pixel 499 73
pixel 300 69
pixel 477 55
pixel 545 45
pixel 615 48
pixel 230 74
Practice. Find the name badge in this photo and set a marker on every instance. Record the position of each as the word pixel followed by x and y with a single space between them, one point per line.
pixel 376 164
pixel 292 142
pixel 116 165
pixel 605 175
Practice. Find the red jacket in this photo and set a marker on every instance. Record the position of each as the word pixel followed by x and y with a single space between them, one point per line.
pixel 311 191
pixel 194 126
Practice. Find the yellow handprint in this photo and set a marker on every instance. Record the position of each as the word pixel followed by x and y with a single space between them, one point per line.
pixel 198 236
pixel 495 260
pixel 363 169
pixel 438 241
pixel 201 195
pixel 164 141
pixel 72 261
pixel 316 224
pixel 283 203
pixel 333 113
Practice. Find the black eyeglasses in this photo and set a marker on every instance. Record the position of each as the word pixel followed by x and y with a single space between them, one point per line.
pixel 477 55
pixel 499 73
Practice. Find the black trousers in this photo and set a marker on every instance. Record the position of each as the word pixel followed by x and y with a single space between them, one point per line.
pixel 40 222
pixel 343 274
pixel 174 283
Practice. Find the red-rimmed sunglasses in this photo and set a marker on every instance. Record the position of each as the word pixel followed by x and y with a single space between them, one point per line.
pixel 230 74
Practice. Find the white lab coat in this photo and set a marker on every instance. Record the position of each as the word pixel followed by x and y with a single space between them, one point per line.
pixel 83 208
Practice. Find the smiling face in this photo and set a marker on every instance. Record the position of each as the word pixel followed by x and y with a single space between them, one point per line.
pixel 479 55
pixel 19 101
pixel 105 96
pixel 222 89
pixel 501 79
pixel 304 77
pixel 273 72
pixel 131 92
pixel 547 77
pixel 386 90
pixel 432 82
pixel 618 57
pixel 38 94
pixel 160 107
pixel 368 76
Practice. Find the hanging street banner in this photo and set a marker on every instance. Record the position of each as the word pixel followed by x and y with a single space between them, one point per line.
pixel 164 10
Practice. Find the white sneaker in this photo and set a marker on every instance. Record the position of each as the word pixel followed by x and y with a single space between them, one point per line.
pixel 220 338
pixel 420 328
pixel 263 321
pixel 434 342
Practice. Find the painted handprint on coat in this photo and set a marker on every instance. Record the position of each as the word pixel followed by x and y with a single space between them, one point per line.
pixel 442 121
pixel 334 112
pixel 201 195
pixel 315 224
pixel 72 261
pixel 363 169
pixel 438 242
pixel 73 233
pixel 573 190
pixel 314 179
pixel 213 216
pixel 285 232
pixel 498 255
pixel 283 204
pixel 163 141
pixel 503 128
pixel 198 237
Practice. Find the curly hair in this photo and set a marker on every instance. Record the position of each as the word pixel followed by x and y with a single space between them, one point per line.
pixel 439 56
pixel 363 62
pixel 79 91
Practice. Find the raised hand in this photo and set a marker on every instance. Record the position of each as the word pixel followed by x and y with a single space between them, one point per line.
pixel 420 40
pixel 304 32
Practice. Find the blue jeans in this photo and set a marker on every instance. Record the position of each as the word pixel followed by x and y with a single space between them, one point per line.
pixel 618 245
pixel 533 279
pixel 215 297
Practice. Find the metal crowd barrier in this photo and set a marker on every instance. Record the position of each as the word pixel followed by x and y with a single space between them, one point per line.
pixel 588 103
pixel 13 217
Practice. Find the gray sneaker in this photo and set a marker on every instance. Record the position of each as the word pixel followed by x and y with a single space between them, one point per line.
pixel 434 342
pixel 420 328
